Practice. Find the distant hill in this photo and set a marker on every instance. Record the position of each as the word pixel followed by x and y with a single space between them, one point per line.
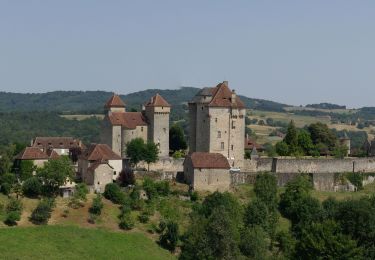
pixel 93 101
pixel 326 106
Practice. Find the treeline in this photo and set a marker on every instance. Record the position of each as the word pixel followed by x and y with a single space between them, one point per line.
pixel 21 127
pixel 326 106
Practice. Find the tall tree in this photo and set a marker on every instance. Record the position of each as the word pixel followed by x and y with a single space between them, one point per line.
pixel 177 138
pixel 291 138
pixel 150 155
pixel 135 150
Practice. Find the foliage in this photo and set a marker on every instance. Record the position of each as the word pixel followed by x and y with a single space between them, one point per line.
pixel 340 151
pixel 135 150
pixel 305 143
pixel 265 189
pixel 26 169
pixel 13 212
pixel 54 174
pixel 320 240
pixel 32 187
pixel 170 236
pixel 254 243
pixel 113 193
pixel 79 196
pixel 178 154
pixel 355 179
pixel 97 205
pixel 177 140
pixel 320 133
pixel 126 177
pixel 291 138
pixel 282 148
pixel 151 152
pixel 144 217
pixel 42 213
pixel 12 217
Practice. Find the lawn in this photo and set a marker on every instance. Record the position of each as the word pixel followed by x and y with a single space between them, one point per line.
pixel 70 242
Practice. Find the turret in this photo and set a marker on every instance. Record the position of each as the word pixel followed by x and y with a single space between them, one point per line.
pixel 114 104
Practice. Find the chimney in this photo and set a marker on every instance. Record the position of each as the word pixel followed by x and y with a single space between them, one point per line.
pixel 234 97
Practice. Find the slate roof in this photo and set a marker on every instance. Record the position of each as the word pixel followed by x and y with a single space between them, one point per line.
pixel 99 152
pixel 209 160
pixel 157 101
pixel 114 101
pixel 32 153
pixel 128 119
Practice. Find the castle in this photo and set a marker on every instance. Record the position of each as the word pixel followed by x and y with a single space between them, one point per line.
pixel 217 123
pixel 151 124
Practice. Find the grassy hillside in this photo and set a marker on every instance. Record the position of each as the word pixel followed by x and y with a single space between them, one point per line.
pixel 70 242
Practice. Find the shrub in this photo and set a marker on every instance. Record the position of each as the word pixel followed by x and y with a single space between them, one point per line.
pixel 144 217
pixel 92 218
pixel 150 188
pixel 14 205
pixel 169 238
pixel 135 199
pixel 356 179
pixel 163 188
pixel 97 205
pixel 32 187
pixel 127 177
pixel 12 217
pixel 194 196
pixel 42 213
pixel 6 188
pixel 126 222
pixel 113 193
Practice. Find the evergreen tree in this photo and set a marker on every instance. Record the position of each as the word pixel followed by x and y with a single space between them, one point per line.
pixel 176 138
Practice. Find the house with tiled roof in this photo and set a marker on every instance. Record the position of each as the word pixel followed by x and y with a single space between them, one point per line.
pixel 34 154
pixel 151 124
pixel 217 123
pixel 60 145
pixel 207 171
pixel 90 160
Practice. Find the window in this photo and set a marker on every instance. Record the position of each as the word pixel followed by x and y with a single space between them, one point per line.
pixel 233 125
pixel 141 128
pixel 114 173
pixel 232 147
pixel 98 183
pixel 165 130
pixel 218 134
pixel 202 107
pixel 222 146
pixel 215 120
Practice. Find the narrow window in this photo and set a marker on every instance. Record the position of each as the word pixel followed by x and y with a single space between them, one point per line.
pixel 215 120
pixel 141 128
pixel 232 147
pixel 233 125
pixel 114 173
pixel 218 134
pixel 222 145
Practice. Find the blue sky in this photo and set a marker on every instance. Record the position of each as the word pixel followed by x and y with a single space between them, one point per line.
pixel 296 52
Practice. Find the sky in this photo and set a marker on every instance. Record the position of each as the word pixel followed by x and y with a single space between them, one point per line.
pixel 294 52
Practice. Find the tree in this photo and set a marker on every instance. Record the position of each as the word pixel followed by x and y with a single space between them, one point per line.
pixel 127 177
pixel 320 133
pixel 79 196
pixel 177 138
pixel 254 242
pixel 135 150
pixel 113 193
pixel 97 205
pixel 325 241
pixel 54 174
pixel 26 169
pixel 13 212
pixel 265 189
pixel 169 238
pixel 340 151
pixel 282 148
pixel 42 213
pixel 291 137
pixel 150 154
pixel 305 143
pixel 32 187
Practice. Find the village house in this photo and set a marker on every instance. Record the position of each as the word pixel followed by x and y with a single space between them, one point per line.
pixel 98 166
pixel 151 124
pixel 61 145
pixel 36 155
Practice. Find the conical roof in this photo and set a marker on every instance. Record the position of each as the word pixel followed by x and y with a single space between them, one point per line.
pixel 158 101
pixel 114 101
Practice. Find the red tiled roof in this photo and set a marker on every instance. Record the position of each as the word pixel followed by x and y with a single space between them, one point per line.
pixel 52 154
pixel 56 142
pixel 158 101
pixel 209 160
pixel 250 143
pixel 114 101
pixel 32 153
pixel 100 152
pixel 128 119
pixel 222 97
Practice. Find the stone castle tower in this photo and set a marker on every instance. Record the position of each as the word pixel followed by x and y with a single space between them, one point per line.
pixel 151 124
pixel 217 123
pixel 157 112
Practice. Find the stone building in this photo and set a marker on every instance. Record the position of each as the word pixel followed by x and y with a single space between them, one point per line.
pixel 152 124
pixel 99 155
pixel 369 147
pixel 36 155
pixel 61 145
pixel 217 123
pixel 207 171
pixel 345 141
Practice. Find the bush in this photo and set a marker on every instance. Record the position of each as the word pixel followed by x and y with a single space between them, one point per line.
pixel 6 188
pixel 194 196
pixel 97 205
pixel 356 179
pixel 163 188
pixel 92 218
pixel 14 205
pixel 127 177
pixel 42 213
pixel 32 187
pixel 113 193
pixel 126 222
pixel 12 217
pixel 150 188
pixel 136 202
pixel 169 238
pixel 144 217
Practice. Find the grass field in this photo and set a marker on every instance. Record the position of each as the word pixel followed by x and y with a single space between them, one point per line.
pixel 70 242
pixel 82 117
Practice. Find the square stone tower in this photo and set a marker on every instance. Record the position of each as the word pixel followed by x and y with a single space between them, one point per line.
pixel 217 123
pixel 157 112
